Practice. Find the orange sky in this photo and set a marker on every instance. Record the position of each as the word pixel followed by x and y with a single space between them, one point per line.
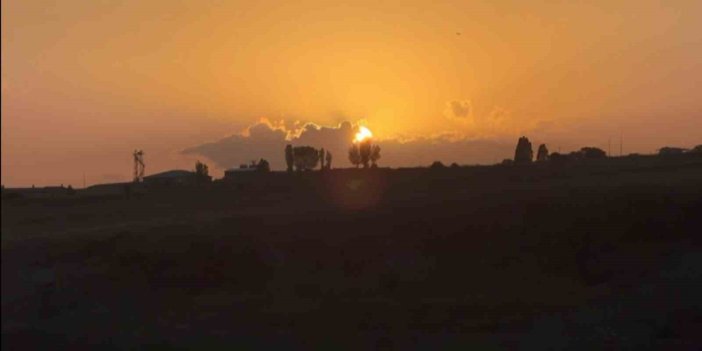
pixel 86 82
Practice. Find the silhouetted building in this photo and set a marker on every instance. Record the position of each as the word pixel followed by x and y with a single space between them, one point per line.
pixel 242 173
pixel 671 151
pixel 174 177
pixel 43 192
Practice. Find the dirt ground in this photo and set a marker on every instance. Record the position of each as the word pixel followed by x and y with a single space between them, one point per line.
pixel 591 256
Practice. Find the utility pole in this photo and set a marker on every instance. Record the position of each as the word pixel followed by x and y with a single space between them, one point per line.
pixel 621 142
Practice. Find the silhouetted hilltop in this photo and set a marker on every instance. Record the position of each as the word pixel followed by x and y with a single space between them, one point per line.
pixel 503 256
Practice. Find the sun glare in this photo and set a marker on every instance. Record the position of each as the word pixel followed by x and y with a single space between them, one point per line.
pixel 363 134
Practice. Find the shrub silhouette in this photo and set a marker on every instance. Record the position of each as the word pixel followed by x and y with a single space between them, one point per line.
pixel 524 153
pixel 558 157
pixel 329 160
pixel 454 165
pixel 542 154
pixel 263 166
pixel 289 157
pixel 592 153
pixel 696 150
pixel 354 155
pixel 305 158
pixel 437 165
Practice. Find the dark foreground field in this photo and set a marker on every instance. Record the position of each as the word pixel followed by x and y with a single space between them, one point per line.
pixel 596 256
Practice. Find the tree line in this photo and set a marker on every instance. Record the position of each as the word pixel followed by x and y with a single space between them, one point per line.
pixel 524 153
pixel 363 153
pixel 304 158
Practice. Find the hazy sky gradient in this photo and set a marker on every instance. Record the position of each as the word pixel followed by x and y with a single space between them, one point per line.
pixel 86 82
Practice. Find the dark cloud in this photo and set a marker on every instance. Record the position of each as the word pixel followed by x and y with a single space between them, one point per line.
pixel 267 140
pixel 260 141
pixel 422 152
pixel 459 109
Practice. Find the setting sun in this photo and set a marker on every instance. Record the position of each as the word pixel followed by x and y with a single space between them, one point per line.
pixel 363 134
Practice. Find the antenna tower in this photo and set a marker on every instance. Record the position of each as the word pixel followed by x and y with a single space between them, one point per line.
pixel 138 165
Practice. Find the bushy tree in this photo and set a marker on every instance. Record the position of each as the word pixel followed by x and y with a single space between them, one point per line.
pixel 375 155
pixel 365 148
pixel 321 158
pixel 263 166
pixel 329 160
pixel 542 154
pixel 696 150
pixel 202 172
pixel 305 157
pixel 289 157
pixel 523 153
pixel 354 155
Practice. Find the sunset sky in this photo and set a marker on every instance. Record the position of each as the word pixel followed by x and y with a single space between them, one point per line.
pixel 84 83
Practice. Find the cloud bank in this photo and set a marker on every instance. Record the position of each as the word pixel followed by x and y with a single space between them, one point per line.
pixel 267 139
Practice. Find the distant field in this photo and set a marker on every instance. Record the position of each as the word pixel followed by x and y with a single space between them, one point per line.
pixel 591 255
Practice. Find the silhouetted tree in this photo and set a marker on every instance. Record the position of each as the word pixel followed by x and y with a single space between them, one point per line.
pixel 321 158
pixel 592 152
pixel 375 155
pixel 263 166
pixel 289 157
pixel 437 165
pixel 696 150
pixel 305 157
pixel 354 155
pixel 365 148
pixel 523 153
pixel 542 154
pixel 202 172
pixel 329 160
pixel 454 165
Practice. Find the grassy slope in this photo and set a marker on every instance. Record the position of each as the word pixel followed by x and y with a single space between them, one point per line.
pixel 587 255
